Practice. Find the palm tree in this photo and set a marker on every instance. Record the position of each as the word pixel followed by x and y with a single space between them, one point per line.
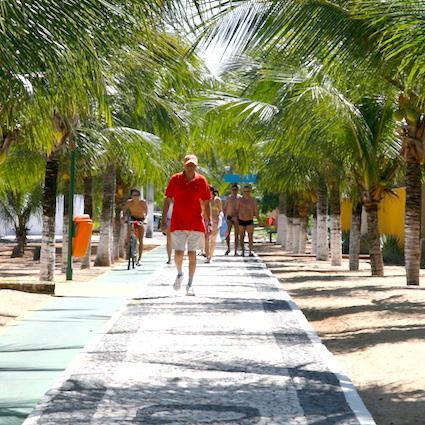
pixel 374 39
pixel 16 207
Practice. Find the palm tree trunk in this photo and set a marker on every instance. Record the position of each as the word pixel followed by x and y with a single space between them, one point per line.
pixel 314 233
pixel 117 234
pixel 282 222
pixel 296 226
pixel 21 239
pixel 336 235
pixel 289 225
pixel 47 253
pixel 374 241
pixel 65 228
pixel 355 236
pixel 88 209
pixel 104 250
pixel 322 250
pixel 412 225
pixel 123 237
pixel 303 235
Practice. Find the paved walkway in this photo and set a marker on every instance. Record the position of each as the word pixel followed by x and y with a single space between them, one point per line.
pixel 35 350
pixel 240 352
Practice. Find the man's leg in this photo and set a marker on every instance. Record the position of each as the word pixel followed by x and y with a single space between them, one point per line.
pixel 179 242
pixel 242 238
pixel 192 266
pixel 237 235
pixel 229 230
pixel 213 242
pixel 178 260
pixel 140 235
pixel 193 241
pixel 250 231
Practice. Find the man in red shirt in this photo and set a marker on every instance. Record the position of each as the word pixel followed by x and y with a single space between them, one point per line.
pixel 191 195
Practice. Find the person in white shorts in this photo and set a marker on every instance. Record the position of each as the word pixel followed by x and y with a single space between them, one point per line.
pixel 190 194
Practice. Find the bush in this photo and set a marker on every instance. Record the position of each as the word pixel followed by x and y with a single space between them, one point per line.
pixel 392 250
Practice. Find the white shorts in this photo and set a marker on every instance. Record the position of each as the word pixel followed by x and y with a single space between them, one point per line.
pixel 193 239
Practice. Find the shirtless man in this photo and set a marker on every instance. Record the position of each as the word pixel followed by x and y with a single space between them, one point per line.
pixel 138 212
pixel 231 213
pixel 246 213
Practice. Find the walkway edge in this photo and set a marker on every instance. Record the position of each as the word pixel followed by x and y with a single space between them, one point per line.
pixel 35 415
pixel 350 391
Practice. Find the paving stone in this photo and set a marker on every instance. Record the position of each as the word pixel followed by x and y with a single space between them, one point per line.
pixel 239 352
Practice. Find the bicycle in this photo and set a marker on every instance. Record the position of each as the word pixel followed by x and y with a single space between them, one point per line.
pixel 133 243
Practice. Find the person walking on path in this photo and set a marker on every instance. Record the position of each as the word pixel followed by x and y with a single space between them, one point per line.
pixel 216 216
pixel 231 213
pixel 246 212
pixel 138 209
pixel 191 196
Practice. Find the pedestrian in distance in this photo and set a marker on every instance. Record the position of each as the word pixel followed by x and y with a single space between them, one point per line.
pixel 190 194
pixel 246 212
pixel 216 217
pixel 138 209
pixel 231 214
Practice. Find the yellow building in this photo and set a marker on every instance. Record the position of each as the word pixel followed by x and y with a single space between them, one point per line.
pixel 390 214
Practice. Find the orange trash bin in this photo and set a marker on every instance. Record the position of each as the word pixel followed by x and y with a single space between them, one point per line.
pixel 82 234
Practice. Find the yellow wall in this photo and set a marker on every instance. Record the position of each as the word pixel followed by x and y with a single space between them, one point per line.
pixel 390 214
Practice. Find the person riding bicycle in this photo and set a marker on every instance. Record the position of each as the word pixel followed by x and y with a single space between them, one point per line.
pixel 138 209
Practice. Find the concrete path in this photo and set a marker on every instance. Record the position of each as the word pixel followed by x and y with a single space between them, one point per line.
pixel 35 350
pixel 240 352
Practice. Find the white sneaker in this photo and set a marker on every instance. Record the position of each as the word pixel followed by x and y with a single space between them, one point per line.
pixel 189 291
pixel 178 282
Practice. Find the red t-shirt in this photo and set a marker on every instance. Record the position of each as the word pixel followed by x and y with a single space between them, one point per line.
pixel 187 195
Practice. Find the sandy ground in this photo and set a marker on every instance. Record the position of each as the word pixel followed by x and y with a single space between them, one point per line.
pixel 375 327
pixel 14 304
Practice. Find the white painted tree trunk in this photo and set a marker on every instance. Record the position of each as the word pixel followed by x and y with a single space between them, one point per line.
pixel 322 252
pixel 289 234
pixel 85 262
pixel 282 228
pixel 314 236
pixel 104 250
pixel 116 235
pixel 295 235
pixel 336 233
pixel 48 249
pixel 123 237
pixel 355 237
pixel 282 221
pixel 303 235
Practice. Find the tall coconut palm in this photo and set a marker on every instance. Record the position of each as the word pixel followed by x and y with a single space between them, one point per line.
pixel 381 37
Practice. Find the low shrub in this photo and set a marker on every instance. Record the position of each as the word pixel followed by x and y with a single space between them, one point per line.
pixel 392 250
